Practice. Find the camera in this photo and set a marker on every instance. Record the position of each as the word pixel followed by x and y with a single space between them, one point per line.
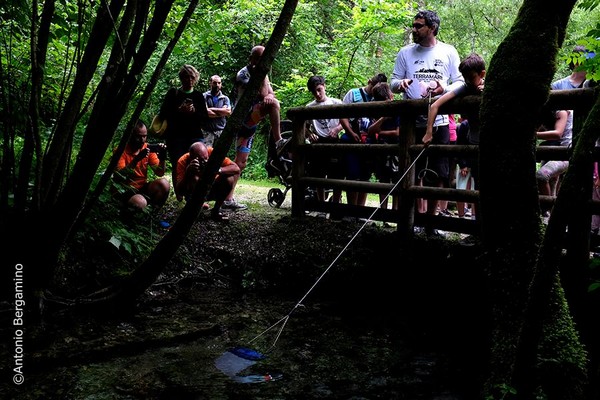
pixel 154 147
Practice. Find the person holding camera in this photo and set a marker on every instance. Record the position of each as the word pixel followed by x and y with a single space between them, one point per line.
pixel 132 169
pixel 190 167
pixel 185 111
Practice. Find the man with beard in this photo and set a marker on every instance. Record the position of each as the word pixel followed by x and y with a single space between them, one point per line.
pixel 132 169
pixel 219 108
pixel 425 69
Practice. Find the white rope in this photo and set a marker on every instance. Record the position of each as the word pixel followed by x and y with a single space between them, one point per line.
pixel 285 319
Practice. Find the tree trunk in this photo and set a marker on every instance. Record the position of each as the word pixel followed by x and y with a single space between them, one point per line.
pixel 134 285
pixel 566 378
pixel 141 104
pixel 510 214
pixel 116 90
pixel 99 35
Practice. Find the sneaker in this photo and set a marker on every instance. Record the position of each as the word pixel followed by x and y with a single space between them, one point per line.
pixel 233 205
pixel 435 233
pixel 446 213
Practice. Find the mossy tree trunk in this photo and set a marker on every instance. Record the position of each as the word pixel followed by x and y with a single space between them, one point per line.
pixel 517 86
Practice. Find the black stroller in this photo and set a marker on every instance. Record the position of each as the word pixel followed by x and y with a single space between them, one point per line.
pixel 280 166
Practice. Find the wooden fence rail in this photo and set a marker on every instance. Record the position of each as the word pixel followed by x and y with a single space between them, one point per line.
pixel 578 100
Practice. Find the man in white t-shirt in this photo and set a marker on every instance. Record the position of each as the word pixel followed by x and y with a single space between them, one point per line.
pixel 578 75
pixel 324 131
pixel 427 68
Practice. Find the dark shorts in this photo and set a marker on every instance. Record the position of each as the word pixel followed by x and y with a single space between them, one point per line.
pixel 432 168
pixel 129 192
pixel 358 166
pixel 387 170
pixel 255 115
pixel 246 132
pixel 327 165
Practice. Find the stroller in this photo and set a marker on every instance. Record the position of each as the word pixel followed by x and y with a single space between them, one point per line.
pixel 279 166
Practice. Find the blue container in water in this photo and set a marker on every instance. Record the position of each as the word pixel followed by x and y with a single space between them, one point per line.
pixel 247 353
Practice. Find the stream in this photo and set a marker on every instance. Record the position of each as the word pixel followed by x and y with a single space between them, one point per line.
pixel 175 346
pixel 381 331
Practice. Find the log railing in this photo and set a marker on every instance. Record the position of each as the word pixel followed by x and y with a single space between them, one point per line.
pixel 405 217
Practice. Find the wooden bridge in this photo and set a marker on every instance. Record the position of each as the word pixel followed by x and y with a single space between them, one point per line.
pixel 406 216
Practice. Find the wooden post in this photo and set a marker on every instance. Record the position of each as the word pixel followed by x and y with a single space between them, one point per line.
pixel 298 164
pixel 406 204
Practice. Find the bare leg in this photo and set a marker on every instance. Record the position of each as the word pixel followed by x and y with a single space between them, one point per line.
pixel 241 159
pixel 275 119
pixel 158 191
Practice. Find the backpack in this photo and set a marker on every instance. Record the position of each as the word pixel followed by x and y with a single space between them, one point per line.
pixel 359 124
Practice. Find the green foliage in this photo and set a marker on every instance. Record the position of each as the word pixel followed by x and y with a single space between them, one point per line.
pixel 588 5
pixel 346 42
pixel 502 391
pixel 595 270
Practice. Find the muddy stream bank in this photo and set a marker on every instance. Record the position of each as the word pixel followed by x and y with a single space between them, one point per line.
pixel 382 324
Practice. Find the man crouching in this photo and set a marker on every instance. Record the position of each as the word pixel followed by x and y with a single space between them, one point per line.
pixel 190 167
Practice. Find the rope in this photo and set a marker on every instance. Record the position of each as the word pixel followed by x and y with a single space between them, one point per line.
pixel 283 321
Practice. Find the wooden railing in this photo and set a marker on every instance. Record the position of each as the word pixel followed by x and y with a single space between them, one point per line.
pixel 406 218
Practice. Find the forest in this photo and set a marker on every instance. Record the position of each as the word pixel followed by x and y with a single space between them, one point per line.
pixel 76 76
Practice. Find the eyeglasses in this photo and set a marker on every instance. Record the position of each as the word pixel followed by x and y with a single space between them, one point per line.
pixel 417 25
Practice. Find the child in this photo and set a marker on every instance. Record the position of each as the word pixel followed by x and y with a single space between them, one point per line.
pixel 324 131
pixel 472 69
pixel 385 130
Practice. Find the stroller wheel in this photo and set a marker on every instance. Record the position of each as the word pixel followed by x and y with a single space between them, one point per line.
pixel 275 197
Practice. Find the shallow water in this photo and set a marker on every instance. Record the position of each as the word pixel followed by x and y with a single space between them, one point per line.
pixel 171 350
